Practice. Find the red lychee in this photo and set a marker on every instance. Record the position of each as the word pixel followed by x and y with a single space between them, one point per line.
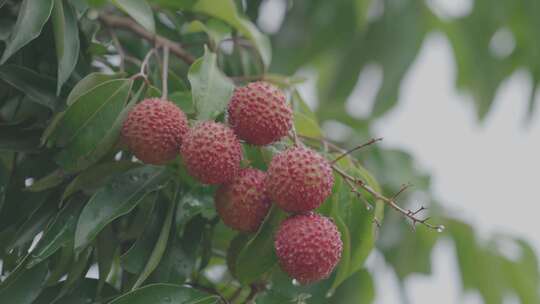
pixel 154 129
pixel 308 247
pixel 212 153
pixel 299 179
pixel 259 114
pixel 243 203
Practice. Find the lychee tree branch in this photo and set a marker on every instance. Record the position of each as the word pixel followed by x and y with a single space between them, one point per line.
pixel 412 215
pixel 117 22
pixel 355 183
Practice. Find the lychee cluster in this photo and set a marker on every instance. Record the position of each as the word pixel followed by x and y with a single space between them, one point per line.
pixel 298 180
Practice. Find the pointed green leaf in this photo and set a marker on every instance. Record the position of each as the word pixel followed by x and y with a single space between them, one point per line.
pixel 119 197
pixel 140 11
pixel 210 88
pixel 32 17
pixel 258 256
pixel 66 36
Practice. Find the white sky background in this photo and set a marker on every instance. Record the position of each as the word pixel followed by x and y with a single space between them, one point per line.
pixel 485 173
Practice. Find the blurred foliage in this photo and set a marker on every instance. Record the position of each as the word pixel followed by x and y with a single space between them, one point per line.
pixel 150 233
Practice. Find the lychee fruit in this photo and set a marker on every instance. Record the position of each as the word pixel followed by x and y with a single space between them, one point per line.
pixel 299 179
pixel 259 114
pixel 212 153
pixel 243 203
pixel 308 247
pixel 154 129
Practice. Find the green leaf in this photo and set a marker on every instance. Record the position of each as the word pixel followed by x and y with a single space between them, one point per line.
pixel 358 289
pixel 191 204
pixel 306 126
pixel 215 29
pixel 32 17
pixel 18 140
pixel 26 287
pixel 52 180
pixel 87 84
pixel 91 125
pixel 226 10
pixel 66 35
pixel 159 247
pixel 91 108
pixel 106 247
pixel 119 197
pixel 38 88
pixel 60 232
pixel 184 101
pixel 140 11
pixel 210 88
pixel 133 261
pixel 166 294
pixel 258 256
pixel 96 176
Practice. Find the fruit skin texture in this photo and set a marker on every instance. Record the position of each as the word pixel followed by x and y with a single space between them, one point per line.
pixel 299 179
pixel 308 247
pixel 259 114
pixel 212 153
pixel 154 129
pixel 243 203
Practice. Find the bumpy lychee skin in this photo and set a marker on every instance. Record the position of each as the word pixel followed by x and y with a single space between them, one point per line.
pixel 308 247
pixel 299 179
pixel 259 114
pixel 243 203
pixel 212 153
pixel 154 129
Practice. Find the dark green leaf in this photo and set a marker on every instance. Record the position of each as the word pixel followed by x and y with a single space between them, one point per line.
pixel 159 247
pixel 258 256
pixel 119 197
pixel 166 294
pixel 39 88
pixel 66 34
pixel 26 287
pixel 32 16
pixel 60 232
pixel 50 181
pixel 91 125
pixel 96 176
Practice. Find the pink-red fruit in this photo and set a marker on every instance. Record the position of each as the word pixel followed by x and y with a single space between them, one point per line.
pixel 154 129
pixel 259 114
pixel 299 179
pixel 212 153
pixel 243 203
pixel 308 247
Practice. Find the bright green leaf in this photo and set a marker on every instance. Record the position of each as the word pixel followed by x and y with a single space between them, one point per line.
pixel 210 88
pixel 138 10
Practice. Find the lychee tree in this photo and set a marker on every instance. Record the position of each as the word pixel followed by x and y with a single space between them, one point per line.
pixel 160 152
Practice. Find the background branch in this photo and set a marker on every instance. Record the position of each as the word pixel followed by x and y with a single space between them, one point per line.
pixel 125 23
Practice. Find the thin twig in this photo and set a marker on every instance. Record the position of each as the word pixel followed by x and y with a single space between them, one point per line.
pixel 403 188
pixel 165 73
pixel 412 215
pixel 125 23
pixel 348 152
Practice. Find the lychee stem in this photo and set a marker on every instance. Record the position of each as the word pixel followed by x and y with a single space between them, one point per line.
pixel 165 73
